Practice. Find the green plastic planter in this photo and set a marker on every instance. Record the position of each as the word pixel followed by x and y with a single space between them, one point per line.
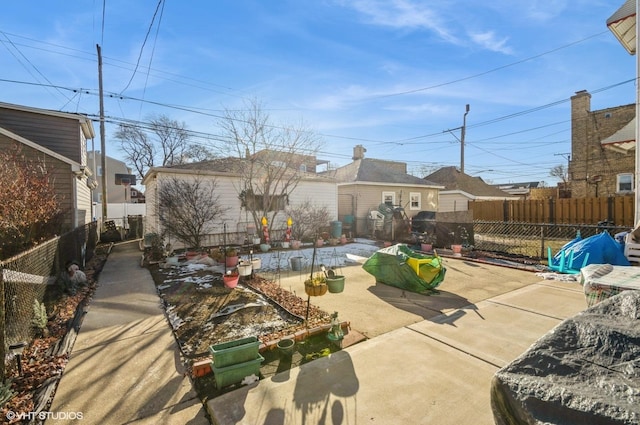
pixel 234 352
pixel 335 284
pixel 234 374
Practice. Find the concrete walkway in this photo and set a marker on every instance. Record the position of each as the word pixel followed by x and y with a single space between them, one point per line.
pixel 429 359
pixel 125 366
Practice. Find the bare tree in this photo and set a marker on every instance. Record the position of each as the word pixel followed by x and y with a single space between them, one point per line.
pixel 164 142
pixel 560 172
pixel 188 209
pixel 275 158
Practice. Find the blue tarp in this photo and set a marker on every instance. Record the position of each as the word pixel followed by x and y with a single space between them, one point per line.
pixel 602 249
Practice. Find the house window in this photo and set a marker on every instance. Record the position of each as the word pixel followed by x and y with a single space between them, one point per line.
pixel 624 182
pixel 254 202
pixel 99 171
pixel 303 168
pixel 389 198
pixel 415 201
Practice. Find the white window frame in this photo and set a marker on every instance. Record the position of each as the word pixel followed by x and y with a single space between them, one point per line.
pixel 392 195
pixel 619 182
pixel 413 195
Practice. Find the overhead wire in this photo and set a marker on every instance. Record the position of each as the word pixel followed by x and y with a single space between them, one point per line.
pixel 142 47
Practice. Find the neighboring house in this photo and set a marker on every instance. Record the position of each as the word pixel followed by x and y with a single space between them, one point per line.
pixel 522 190
pixel 115 193
pixel 602 149
pixel 366 183
pixel 60 139
pixel 460 188
pixel 320 190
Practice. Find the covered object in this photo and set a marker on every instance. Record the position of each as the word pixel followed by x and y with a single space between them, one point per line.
pixel 400 266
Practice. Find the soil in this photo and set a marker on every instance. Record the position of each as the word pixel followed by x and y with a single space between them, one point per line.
pixel 203 312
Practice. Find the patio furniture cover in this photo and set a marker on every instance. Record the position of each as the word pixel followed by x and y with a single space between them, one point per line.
pixel 400 266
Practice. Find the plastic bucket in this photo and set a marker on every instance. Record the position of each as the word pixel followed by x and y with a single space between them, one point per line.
pixel 296 263
pixel 336 229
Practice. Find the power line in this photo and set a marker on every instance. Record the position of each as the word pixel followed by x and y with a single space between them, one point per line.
pixel 489 71
pixel 142 47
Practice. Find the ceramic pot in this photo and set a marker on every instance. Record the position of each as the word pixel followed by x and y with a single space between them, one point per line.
pixel 264 247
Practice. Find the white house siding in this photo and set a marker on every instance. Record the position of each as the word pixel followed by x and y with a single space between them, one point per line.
pixel 451 202
pixel 322 192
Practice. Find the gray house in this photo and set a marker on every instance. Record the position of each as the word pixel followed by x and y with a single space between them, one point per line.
pixel 60 140
pixel 460 188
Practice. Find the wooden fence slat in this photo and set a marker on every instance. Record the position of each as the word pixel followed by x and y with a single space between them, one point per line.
pixel 619 209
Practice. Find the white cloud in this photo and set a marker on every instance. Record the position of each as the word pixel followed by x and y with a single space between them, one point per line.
pixel 489 41
pixel 403 14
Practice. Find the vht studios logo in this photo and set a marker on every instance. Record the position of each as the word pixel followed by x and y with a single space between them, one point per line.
pixel 12 416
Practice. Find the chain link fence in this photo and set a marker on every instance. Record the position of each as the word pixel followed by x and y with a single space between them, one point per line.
pixel 532 240
pixel 24 278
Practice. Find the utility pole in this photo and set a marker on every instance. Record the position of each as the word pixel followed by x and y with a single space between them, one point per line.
pixel 102 139
pixel 462 134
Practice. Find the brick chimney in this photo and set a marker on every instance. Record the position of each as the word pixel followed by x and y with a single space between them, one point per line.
pixel 358 152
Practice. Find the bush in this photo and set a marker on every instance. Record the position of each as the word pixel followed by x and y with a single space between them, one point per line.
pixel 308 220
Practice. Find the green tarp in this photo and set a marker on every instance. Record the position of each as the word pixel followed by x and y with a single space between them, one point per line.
pixel 400 266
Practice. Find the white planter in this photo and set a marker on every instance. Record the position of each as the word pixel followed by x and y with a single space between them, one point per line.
pixel 244 269
pixel 285 245
pixel 256 263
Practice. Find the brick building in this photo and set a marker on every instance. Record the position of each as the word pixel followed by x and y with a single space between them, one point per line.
pixel 599 165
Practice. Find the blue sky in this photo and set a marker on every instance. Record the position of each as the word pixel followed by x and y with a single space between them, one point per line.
pixel 391 75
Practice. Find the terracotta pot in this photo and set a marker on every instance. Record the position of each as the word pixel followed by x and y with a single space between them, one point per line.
pixel 319 242
pixel 231 261
pixel 457 249
pixel 315 290
pixel 230 281
pixel 296 244
pixel 426 247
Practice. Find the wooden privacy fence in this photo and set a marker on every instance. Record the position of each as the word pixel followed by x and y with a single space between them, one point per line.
pixel 616 209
